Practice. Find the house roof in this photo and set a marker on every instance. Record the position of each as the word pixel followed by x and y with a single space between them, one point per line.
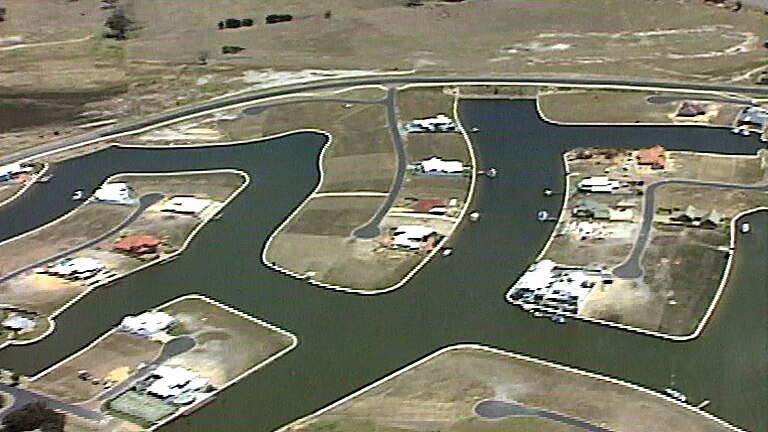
pixel 655 155
pixel 115 192
pixel 691 109
pixel 424 205
pixel 18 323
pixel 186 204
pixel 134 242
pixel 436 164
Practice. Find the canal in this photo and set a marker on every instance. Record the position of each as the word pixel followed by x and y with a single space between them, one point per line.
pixel 347 341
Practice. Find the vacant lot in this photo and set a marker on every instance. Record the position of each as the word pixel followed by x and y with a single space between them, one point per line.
pixel 715 168
pixel 604 106
pixel 227 344
pixel 217 186
pixel 334 216
pixel 442 392
pixel 118 350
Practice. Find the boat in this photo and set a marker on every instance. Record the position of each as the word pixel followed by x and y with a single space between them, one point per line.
pixel 474 216
pixel 474 129
pixel 542 215
pixel 447 252
pixel 745 132
pixel 77 195
pixel 675 394
pixel 558 319
pixel 492 173
pixel 548 192
pixel 736 131
pixel 540 314
pixel 745 228
pixel 44 178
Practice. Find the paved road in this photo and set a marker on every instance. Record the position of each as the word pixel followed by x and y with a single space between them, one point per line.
pixel 371 229
pixel 24 397
pixel 494 409
pixel 172 348
pixel 632 268
pixel 224 102
pixel 144 202
pixel 259 109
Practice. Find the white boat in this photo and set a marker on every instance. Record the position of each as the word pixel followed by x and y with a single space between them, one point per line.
pixel 745 227
pixel 77 195
pixel 447 252
pixel 736 131
pixel 558 319
pixel 675 394
pixel 542 215
pixel 745 132
pixel 474 216
pixel 492 173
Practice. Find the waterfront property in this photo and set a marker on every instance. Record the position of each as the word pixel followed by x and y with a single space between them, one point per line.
pixel 439 123
pixel 471 387
pixel 164 362
pixel 111 235
pixel 662 265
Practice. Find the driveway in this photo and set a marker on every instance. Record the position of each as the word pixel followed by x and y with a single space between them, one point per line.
pixel 495 409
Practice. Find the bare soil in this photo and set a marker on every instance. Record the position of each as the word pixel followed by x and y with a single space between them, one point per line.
pixel 227 344
pixel 442 392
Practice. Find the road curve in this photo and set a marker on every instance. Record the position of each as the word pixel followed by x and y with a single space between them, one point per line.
pixel 371 229
pixel 495 409
pixel 144 202
pixel 631 267
pixel 373 80
pixel 25 397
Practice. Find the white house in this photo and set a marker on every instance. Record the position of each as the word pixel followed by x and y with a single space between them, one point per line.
pixel 598 185
pixel 411 236
pixel 435 165
pixel 8 171
pixel 175 381
pixel 114 193
pixel 186 205
pixel 78 268
pixel 147 323
pixel 440 123
pixel 18 323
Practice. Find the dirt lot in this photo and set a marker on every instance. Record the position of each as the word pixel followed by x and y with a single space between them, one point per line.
pixel 714 168
pixel 217 186
pixel 227 344
pixel 442 392
pixel 603 106
pixel 334 216
pixel 115 351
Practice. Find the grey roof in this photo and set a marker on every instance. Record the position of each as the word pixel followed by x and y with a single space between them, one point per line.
pixel 753 115
pixel 17 322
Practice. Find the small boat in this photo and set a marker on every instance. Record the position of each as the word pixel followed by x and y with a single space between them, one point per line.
pixel 77 195
pixel 745 132
pixel 548 192
pixel 736 131
pixel 745 228
pixel 44 178
pixel 474 216
pixel 675 394
pixel 447 252
pixel 474 129
pixel 558 319
pixel 492 173
pixel 542 215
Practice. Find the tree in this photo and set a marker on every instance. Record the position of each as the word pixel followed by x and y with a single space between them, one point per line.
pixel 2 13
pixel 328 14
pixel 34 416
pixel 118 23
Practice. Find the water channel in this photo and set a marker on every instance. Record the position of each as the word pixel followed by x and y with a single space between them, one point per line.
pixel 347 341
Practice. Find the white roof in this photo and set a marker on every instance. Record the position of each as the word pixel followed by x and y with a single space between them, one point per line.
pixel 76 265
pixel 18 322
pixel 413 231
pixel 436 164
pixel 117 192
pixel 174 381
pixel 595 181
pixel 13 168
pixel 440 119
pixel 147 323
pixel 189 205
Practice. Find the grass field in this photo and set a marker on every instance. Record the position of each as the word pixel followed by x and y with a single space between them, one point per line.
pixel 603 106
pixel 441 393
pixel 227 344
pixel 115 351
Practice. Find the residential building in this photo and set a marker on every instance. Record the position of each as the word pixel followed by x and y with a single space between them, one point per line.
pixel 691 109
pixel 137 244
pixel 598 185
pixel 752 116
pixel 587 208
pixel 9 171
pixel 186 205
pixel 114 193
pixel 549 285
pixel 147 324
pixel 440 123
pixel 18 323
pixel 411 236
pixel 431 205
pixel 698 218
pixel 655 157
pixel 77 268
pixel 174 381
pixel 437 166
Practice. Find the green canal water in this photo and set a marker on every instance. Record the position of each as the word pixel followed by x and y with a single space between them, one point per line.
pixel 348 341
